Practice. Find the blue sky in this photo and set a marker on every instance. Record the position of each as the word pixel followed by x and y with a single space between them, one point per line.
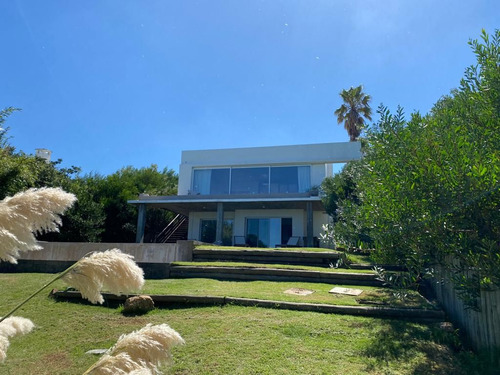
pixel 110 83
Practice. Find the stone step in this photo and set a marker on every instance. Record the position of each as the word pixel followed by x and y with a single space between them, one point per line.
pixel 323 259
pixel 273 274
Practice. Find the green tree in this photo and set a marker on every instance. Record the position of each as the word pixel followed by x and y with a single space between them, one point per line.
pixel 126 184
pixel 428 187
pixel 354 110
pixel 341 201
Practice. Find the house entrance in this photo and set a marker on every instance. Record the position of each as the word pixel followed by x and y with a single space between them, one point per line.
pixel 268 232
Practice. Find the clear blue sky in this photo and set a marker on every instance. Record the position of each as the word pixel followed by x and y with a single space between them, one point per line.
pixel 110 83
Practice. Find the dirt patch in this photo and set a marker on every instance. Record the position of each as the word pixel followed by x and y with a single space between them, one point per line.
pixel 57 361
pixel 299 291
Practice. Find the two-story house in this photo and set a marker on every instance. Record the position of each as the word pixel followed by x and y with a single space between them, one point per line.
pixel 262 196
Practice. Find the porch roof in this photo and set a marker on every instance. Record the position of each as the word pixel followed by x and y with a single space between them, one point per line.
pixel 184 204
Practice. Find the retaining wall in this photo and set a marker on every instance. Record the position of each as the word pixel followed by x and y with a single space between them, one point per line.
pixel 153 258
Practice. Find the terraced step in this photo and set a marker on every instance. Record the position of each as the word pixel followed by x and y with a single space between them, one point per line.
pixel 273 274
pixel 427 315
pixel 324 259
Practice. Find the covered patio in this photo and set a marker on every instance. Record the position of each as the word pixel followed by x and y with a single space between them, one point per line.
pixel 185 204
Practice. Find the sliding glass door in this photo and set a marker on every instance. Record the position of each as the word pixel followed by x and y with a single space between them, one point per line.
pixel 268 232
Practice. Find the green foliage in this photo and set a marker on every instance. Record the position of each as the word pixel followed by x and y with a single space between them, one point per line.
pixel 428 187
pixel 341 201
pixel 4 114
pixel 121 218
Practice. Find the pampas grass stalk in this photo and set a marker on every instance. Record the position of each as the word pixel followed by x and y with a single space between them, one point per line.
pixel 27 213
pixel 11 327
pixel 111 270
pixel 139 352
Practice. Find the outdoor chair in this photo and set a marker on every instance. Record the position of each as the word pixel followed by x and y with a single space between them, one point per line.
pixel 293 241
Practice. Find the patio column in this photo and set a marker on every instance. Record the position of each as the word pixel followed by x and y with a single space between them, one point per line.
pixel 141 223
pixel 309 224
pixel 220 223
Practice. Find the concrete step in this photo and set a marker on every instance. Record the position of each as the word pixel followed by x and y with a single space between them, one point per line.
pixel 425 315
pixel 323 259
pixel 273 274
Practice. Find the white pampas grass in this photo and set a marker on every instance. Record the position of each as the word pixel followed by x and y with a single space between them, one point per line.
pixel 11 327
pixel 29 212
pixel 111 270
pixel 140 352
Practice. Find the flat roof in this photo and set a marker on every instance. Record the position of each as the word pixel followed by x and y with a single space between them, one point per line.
pixel 319 153
pixel 184 204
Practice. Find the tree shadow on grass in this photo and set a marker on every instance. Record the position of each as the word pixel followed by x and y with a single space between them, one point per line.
pixel 423 348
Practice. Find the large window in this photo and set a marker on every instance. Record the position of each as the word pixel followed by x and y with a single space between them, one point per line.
pixel 211 181
pixel 250 180
pixel 290 179
pixel 208 230
pixel 255 180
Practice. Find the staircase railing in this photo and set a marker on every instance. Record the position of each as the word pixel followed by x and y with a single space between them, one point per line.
pixel 171 228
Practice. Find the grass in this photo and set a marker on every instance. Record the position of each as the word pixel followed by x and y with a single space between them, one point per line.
pixel 279 266
pixel 352 257
pixel 274 290
pixel 359 259
pixel 230 339
pixel 288 249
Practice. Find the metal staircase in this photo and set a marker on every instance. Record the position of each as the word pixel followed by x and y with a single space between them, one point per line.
pixel 176 230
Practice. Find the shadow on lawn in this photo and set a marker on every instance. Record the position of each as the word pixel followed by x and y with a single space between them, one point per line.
pixel 432 349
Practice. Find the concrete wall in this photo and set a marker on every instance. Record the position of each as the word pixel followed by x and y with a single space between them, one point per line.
pixel 142 252
pixel 154 259
pixel 318 174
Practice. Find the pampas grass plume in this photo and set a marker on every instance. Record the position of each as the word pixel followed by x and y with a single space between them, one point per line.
pixel 10 327
pixel 29 212
pixel 148 347
pixel 110 270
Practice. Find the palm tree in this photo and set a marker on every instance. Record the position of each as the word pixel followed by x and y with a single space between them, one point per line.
pixel 354 111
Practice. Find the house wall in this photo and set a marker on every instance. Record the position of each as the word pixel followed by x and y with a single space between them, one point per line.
pixel 316 155
pixel 318 174
pixel 319 219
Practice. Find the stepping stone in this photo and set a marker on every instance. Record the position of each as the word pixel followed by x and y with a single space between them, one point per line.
pixel 299 291
pixel 348 291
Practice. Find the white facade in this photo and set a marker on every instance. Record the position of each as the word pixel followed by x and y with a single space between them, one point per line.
pixel 319 156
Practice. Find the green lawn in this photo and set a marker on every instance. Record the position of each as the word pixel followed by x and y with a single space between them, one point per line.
pixel 279 266
pixel 274 290
pixel 229 339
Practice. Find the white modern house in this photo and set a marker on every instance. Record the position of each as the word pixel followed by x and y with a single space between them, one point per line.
pixel 261 196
